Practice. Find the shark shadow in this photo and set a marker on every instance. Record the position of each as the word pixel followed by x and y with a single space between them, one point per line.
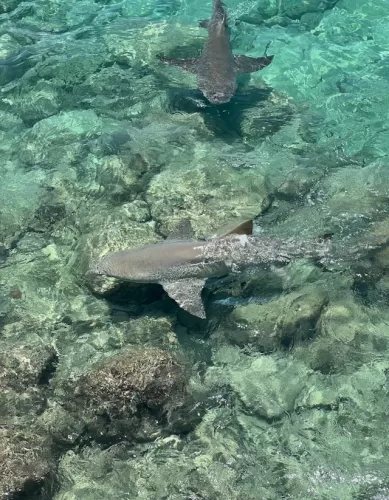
pixel 223 120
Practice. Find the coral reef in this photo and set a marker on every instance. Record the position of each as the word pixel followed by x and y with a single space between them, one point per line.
pixel 24 374
pixel 27 462
pixel 134 395
pixel 26 465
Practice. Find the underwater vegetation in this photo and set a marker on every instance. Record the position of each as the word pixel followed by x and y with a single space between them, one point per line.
pixel 110 389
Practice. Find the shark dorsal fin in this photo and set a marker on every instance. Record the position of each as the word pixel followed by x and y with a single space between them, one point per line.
pixel 242 227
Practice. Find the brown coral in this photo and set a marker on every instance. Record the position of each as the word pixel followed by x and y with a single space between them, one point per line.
pixel 26 464
pixel 133 395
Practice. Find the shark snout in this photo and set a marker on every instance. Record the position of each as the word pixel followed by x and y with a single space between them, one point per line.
pixel 93 268
pixel 218 97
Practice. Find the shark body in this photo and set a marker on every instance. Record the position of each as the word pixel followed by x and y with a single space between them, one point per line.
pixel 217 67
pixel 182 267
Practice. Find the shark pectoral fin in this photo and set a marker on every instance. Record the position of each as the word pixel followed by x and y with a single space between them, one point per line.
pixel 204 23
pixel 189 64
pixel 245 64
pixel 187 294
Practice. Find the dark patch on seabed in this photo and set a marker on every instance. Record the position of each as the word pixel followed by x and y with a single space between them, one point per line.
pixel 224 120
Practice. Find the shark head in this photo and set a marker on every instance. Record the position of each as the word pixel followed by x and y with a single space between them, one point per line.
pixel 219 85
pixel 218 97
pixel 150 263
pixel 103 267
pixel 217 92
pixel 127 265
pixel 98 267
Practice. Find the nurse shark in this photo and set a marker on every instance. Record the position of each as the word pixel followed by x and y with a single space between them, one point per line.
pixel 182 267
pixel 217 67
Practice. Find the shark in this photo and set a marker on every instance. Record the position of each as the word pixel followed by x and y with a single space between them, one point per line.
pixel 217 67
pixel 182 267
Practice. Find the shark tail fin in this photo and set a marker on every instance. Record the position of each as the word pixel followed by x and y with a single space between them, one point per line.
pixel 218 4
pixel 219 12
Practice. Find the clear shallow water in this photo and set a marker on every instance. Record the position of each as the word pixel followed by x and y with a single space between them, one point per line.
pixel 283 392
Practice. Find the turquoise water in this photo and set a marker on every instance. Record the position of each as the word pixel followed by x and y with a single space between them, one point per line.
pixel 109 390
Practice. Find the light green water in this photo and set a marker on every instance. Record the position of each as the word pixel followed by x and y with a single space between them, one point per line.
pixel 109 390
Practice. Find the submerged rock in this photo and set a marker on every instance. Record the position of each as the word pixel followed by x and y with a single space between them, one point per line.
pixel 24 374
pixel 56 140
pixel 278 323
pixel 39 103
pixel 199 193
pixel 269 387
pixel 298 183
pixel 6 306
pixel 266 386
pixel 26 465
pixel 63 428
pixel 349 335
pixel 9 5
pixel 19 196
pixel 26 460
pixel 284 12
pixel 267 118
pixel 26 365
pixel 135 395
pixel 294 9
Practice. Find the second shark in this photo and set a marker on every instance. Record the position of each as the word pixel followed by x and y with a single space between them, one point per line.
pixel 217 67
